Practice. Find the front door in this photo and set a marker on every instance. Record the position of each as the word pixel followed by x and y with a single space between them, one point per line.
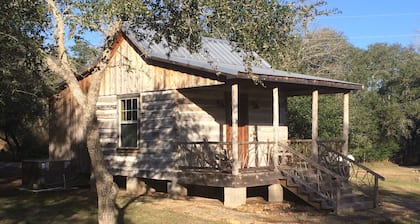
pixel 243 134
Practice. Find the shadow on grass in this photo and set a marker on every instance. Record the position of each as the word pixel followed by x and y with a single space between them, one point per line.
pixel 129 199
pixel 121 210
pixel 72 206
pixel 401 207
pixel 393 208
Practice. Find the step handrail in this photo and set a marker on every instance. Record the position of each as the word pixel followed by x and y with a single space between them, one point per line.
pixel 344 157
pixel 334 178
pixel 312 162
pixel 352 163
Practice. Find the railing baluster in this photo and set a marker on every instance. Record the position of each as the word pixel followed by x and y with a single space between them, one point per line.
pixel 217 155
pixel 375 192
pixel 362 183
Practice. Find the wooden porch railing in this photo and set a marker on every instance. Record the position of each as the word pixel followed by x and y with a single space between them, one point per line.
pixel 218 155
pixel 304 146
pixel 361 178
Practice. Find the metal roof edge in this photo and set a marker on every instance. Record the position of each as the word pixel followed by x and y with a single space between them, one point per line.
pixel 239 71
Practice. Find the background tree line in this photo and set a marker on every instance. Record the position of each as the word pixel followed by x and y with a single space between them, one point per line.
pixel 385 114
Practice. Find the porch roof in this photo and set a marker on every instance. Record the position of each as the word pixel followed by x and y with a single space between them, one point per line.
pixel 222 58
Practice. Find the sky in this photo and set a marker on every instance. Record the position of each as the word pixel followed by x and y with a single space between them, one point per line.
pixel 365 22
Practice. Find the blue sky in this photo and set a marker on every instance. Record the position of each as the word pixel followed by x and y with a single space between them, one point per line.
pixel 365 22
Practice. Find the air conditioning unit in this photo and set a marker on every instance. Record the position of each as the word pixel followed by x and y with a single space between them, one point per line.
pixel 46 174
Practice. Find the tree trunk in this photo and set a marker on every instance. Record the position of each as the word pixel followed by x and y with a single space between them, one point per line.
pixel 107 190
pixel 13 143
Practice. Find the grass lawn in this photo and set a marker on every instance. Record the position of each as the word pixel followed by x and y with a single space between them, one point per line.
pixel 398 180
pixel 79 206
pixel 399 196
pixel 400 192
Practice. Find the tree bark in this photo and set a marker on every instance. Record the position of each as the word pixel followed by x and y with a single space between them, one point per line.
pixel 107 190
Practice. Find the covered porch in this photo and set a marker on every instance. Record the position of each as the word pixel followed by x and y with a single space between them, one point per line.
pixel 254 129
pixel 253 148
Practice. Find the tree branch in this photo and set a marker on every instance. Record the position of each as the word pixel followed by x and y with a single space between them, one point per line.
pixel 59 34
pixel 69 78
pixel 97 69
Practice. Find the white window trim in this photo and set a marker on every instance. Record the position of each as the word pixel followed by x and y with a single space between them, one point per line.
pixel 120 122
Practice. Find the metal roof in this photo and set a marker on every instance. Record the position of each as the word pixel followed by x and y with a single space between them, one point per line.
pixel 218 56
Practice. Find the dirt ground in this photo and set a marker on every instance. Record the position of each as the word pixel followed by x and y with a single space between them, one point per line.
pixel 259 211
pixel 400 203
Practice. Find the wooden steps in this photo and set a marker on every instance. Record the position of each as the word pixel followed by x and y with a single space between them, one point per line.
pixel 349 202
pixel 294 188
pixel 324 188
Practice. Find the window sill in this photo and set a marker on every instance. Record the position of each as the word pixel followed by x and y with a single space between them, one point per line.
pixel 128 151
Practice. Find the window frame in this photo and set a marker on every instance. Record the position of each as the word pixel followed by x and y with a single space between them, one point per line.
pixel 121 122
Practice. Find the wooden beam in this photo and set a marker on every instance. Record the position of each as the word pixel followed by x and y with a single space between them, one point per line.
pixel 346 122
pixel 315 124
pixel 340 86
pixel 235 116
pixel 276 123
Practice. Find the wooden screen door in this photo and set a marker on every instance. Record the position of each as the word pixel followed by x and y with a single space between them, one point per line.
pixel 243 135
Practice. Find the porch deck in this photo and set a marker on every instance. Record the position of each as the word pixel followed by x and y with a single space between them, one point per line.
pixel 327 180
pixel 248 177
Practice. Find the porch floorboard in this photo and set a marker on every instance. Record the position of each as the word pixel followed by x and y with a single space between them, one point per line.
pixel 249 177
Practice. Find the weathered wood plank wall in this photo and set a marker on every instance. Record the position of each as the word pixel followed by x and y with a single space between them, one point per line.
pixel 157 131
pixel 199 116
pixel 66 139
pixel 129 73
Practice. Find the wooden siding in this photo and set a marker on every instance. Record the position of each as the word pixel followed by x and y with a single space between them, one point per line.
pixel 202 116
pixel 261 115
pixel 67 141
pixel 107 114
pixel 129 73
pixel 157 131
pixel 199 116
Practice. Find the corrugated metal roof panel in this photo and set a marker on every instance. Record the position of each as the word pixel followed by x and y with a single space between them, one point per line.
pixel 214 55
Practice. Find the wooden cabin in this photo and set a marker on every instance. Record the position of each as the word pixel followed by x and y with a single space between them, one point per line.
pixel 198 119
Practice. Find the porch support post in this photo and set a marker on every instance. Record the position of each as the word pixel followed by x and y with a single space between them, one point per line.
pixel 315 124
pixel 234 197
pixel 276 123
pixel 275 193
pixel 235 116
pixel 346 122
pixel 135 185
pixel 175 190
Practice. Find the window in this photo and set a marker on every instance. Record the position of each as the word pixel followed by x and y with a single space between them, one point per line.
pixel 128 123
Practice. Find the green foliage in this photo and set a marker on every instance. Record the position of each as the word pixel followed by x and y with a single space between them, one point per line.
pixel 83 54
pixel 381 152
pixel 384 116
pixel 330 116
pixel 390 100
pixel 299 117
pixel 270 28
pixel 325 53
pixel 23 88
